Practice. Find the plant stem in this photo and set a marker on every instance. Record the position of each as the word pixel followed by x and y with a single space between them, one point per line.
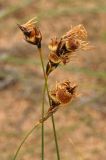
pixel 42 130
pixel 48 114
pixel 44 89
pixel 41 121
pixel 15 156
pixel 46 84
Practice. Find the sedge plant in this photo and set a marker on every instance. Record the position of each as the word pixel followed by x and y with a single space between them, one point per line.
pixel 61 51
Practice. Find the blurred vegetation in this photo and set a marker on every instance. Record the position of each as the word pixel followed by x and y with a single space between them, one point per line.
pixel 83 120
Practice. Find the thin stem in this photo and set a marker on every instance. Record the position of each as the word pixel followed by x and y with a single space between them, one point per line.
pixel 23 141
pixel 53 123
pixel 47 115
pixel 42 129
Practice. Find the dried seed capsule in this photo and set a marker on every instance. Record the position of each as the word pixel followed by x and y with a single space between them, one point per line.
pixel 63 93
pixel 50 67
pixel 31 32
pixel 54 61
pixel 53 45
pixel 72 45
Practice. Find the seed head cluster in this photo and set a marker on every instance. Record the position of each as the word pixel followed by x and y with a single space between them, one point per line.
pixel 61 51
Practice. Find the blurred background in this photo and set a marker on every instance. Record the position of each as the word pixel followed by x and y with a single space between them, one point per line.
pixel 21 81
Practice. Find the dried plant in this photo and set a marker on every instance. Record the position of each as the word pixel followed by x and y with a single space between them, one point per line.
pixel 31 33
pixel 63 93
pixel 61 51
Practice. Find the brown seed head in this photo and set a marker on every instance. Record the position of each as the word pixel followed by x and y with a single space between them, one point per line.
pixel 31 32
pixel 63 93
pixel 50 67
pixel 54 58
pixel 75 39
pixel 72 44
pixel 53 45
pixel 78 32
pixel 63 49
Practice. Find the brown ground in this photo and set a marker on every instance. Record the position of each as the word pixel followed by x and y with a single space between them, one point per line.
pixel 21 81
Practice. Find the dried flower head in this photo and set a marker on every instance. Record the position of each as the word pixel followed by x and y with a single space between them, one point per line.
pixel 53 45
pixel 62 49
pixel 78 31
pixel 63 93
pixel 31 32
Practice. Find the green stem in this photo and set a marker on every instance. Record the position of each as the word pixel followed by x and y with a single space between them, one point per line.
pixel 37 124
pixel 42 129
pixel 53 123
